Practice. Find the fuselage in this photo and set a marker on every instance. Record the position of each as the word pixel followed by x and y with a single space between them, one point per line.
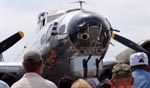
pixel 67 37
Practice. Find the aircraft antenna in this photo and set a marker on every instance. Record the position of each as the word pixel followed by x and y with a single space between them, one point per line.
pixel 80 2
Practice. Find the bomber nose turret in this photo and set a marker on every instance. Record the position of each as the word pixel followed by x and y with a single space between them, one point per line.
pixel 89 33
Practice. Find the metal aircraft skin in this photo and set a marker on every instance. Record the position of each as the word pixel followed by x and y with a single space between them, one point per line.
pixel 68 40
pixel 65 36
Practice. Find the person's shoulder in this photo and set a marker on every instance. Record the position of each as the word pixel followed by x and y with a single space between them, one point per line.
pixel 50 83
pixel 15 85
pixel 3 84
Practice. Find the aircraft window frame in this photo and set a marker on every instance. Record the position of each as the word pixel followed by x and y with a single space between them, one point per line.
pixel 62 29
pixel 54 28
pixel 55 23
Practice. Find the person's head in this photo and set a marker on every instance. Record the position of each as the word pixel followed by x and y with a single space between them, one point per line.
pixel 9 78
pixel 121 75
pixel 65 82
pixel 92 81
pixel 106 83
pixel 33 62
pixel 80 83
pixel 138 60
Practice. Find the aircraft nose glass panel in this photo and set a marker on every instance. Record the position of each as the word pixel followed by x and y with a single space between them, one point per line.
pixel 88 38
pixel 91 39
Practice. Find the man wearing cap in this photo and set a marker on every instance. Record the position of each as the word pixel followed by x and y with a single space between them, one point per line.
pixel 33 65
pixel 121 76
pixel 139 65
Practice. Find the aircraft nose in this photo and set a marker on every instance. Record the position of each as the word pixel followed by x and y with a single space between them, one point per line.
pixel 89 34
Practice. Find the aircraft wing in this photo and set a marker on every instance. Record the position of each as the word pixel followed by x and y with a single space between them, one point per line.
pixel 11 67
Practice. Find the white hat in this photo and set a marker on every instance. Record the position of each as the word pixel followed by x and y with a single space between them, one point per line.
pixel 139 58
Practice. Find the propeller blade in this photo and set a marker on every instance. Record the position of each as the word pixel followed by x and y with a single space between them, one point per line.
pixel 10 41
pixel 129 43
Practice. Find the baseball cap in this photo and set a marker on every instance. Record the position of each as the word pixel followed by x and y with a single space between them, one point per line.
pixel 139 58
pixel 121 70
pixel 32 57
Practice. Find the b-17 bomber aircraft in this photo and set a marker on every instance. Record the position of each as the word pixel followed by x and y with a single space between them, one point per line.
pixel 68 40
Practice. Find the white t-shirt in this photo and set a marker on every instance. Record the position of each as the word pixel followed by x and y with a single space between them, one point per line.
pixel 33 80
pixel 3 84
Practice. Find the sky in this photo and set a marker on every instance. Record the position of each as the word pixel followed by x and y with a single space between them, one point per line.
pixel 131 17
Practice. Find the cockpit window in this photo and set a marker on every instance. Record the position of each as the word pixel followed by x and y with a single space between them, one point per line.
pixel 56 23
pixel 62 29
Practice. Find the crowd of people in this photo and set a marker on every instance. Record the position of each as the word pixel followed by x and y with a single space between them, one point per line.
pixel 136 74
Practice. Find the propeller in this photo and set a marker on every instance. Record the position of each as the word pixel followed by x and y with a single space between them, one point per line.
pixel 129 43
pixel 10 41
